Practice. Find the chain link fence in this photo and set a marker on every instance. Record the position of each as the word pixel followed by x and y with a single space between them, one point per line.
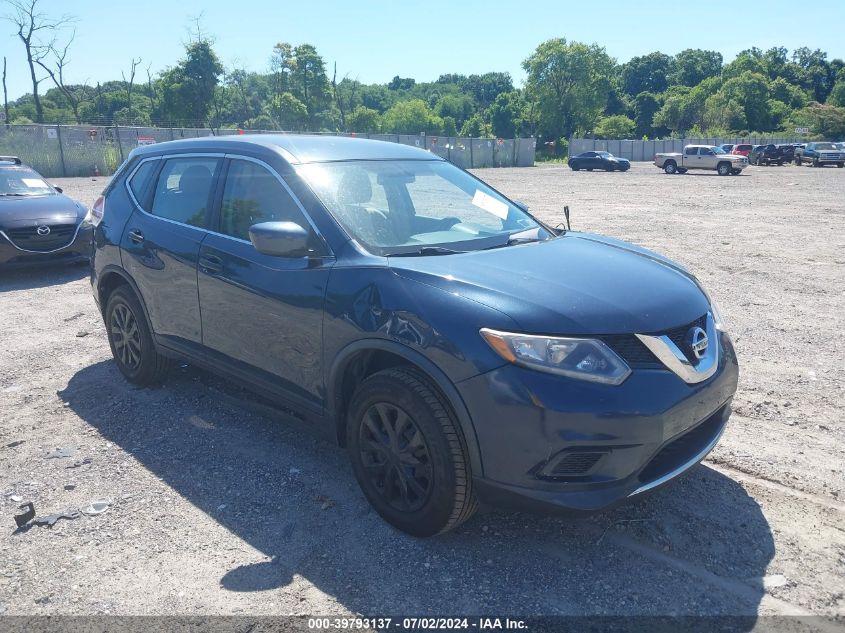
pixel 80 150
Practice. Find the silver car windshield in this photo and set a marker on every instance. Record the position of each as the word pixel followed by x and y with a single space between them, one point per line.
pixel 410 206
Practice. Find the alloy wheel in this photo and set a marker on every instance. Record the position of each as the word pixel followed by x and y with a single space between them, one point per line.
pixel 126 336
pixel 396 457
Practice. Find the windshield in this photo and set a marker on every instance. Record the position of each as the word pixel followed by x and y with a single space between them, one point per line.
pixel 718 150
pixel 409 206
pixel 18 182
pixel 825 146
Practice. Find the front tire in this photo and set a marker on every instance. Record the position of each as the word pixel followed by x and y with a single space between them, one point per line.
pixel 408 455
pixel 131 341
pixel 724 169
pixel 736 172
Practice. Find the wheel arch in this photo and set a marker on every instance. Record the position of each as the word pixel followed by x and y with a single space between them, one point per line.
pixel 112 277
pixel 363 358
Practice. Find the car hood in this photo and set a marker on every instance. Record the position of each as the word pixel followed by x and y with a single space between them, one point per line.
pixel 578 283
pixel 57 209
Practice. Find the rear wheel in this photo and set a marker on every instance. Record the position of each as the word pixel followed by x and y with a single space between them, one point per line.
pixel 724 169
pixel 130 339
pixel 670 167
pixel 408 455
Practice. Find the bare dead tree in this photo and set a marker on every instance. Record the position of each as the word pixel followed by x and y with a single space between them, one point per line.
pixel 5 94
pixel 56 72
pixel 32 26
pixel 151 87
pixel 129 84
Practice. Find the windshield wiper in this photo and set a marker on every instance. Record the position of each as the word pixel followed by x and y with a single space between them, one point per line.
pixel 426 250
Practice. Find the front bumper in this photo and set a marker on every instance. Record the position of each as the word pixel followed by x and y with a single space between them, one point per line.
pixel 632 437
pixel 78 248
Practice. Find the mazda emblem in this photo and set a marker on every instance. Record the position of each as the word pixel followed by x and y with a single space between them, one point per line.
pixel 43 230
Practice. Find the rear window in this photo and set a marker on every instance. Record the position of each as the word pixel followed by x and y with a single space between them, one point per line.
pixel 743 147
pixel 184 188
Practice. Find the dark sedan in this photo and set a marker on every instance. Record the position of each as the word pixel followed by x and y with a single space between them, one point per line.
pixel 599 160
pixel 38 223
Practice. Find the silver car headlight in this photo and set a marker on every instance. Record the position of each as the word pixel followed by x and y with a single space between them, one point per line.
pixel 582 358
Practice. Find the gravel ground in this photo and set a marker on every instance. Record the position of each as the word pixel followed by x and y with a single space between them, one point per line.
pixel 220 504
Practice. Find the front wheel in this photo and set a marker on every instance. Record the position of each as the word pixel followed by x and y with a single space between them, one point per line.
pixel 724 169
pixel 815 163
pixel 682 170
pixel 408 455
pixel 131 341
pixel 736 172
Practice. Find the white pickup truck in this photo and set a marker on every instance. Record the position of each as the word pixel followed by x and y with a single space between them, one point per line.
pixel 701 157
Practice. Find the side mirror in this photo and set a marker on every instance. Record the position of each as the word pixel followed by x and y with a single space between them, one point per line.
pixel 521 205
pixel 279 239
pixel 59 189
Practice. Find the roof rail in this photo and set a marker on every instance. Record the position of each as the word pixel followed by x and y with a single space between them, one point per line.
pixel 10 159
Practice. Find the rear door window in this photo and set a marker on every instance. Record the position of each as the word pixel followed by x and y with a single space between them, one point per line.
pixel 183 190
pixel 691 151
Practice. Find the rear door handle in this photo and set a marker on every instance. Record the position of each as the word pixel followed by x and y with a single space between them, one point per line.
pixel 210 264
pixel 136 236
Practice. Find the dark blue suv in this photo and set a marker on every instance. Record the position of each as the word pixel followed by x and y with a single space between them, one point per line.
pixel 461 349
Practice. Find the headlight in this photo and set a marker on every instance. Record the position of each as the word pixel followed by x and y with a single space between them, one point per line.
pixel 718 321
pixel 582 358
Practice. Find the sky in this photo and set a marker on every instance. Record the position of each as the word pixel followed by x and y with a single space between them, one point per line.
pixel 374 40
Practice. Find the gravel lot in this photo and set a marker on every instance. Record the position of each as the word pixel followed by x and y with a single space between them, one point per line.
pixel 222 505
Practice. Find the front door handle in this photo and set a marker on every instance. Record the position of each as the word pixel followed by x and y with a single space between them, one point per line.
pixel 210 264
pixel 136 236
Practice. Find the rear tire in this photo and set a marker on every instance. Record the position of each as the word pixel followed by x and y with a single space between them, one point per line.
pixel 131 341
pixel 408 455
pixel 670 167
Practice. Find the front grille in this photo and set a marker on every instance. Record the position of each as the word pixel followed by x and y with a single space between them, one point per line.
pixel 630 349
pixel 27 238
pixel 682 449
pixel 832 157
pixel 636 354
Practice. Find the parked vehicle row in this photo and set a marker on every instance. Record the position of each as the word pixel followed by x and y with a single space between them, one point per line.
pixel 772 154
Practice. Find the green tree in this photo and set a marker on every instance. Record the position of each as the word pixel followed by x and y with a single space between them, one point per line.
pixel 647 73
pixel 477 127
pixel 646 105
pixel 288 112
pixel 616 127
pixel 309 83
pixel 694 65
pixel 411 117
pixel 571 82
pixel 188 88
pixel 460 107
pixel 363 119
pixel 506 114
pixel 837 95
pixel 824 119
pixel 751 91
